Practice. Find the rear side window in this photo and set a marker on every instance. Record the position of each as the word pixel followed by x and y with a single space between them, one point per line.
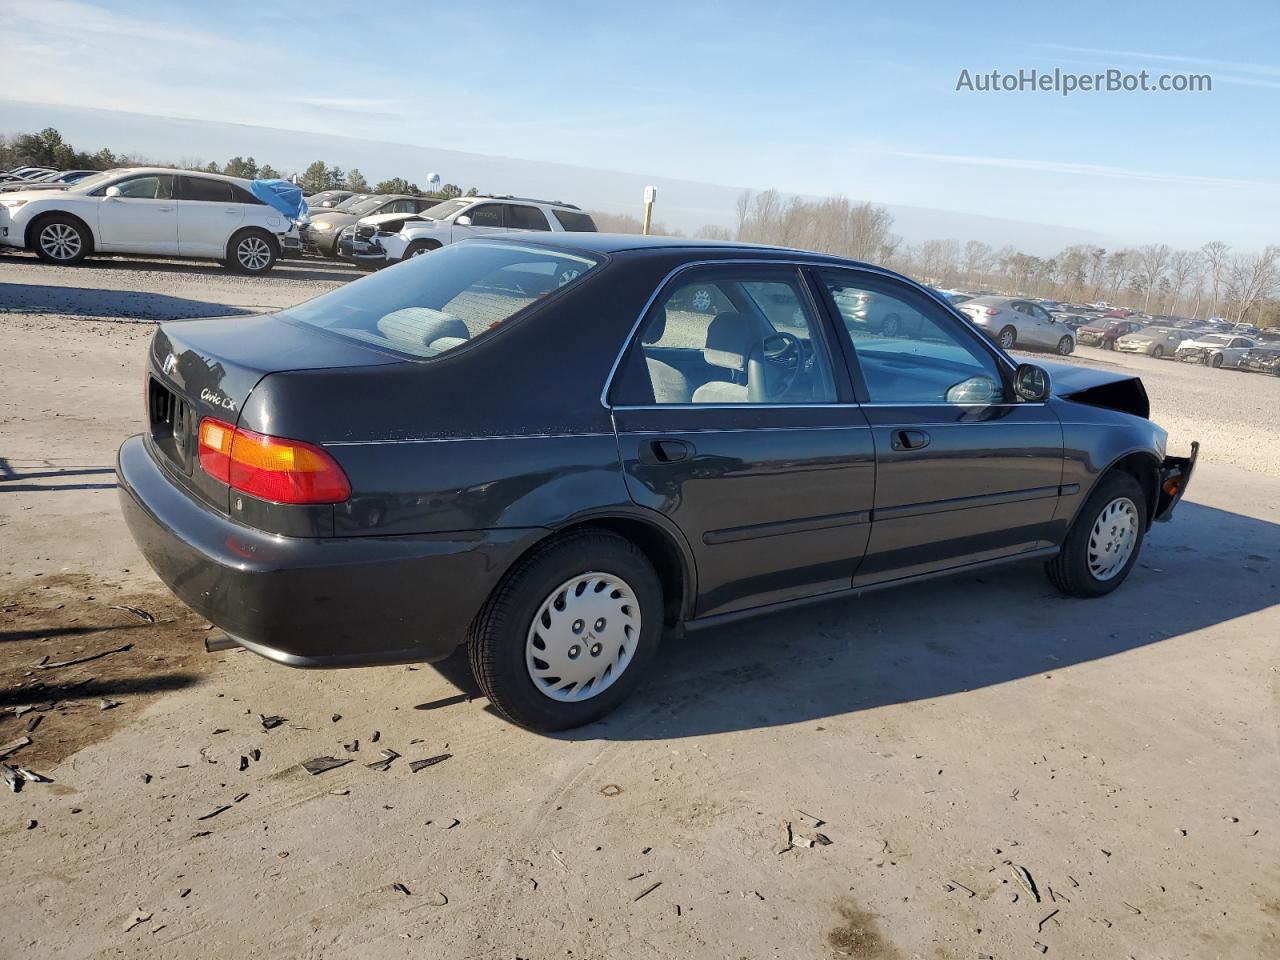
pixel 486 215
pixel 240 195
pixel 201 188
pixel 575 222
pixel 526 218
pixel 433 304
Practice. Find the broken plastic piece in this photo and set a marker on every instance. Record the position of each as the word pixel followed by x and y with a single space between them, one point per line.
pixel 417 765
pixel 318 765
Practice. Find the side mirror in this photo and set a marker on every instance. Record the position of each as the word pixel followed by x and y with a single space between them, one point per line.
pixel 463 221
pixel 1031 383
pixel 113 192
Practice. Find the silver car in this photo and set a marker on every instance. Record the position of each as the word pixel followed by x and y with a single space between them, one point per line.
pixel 1013 322
pixel 1158 342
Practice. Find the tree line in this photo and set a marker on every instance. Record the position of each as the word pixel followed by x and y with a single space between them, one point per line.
pixel 1212 280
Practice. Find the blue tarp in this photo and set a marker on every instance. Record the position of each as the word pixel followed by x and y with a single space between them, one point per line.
pixel 281 195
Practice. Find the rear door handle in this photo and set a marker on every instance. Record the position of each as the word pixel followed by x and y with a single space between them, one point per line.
pixel 665 451
pixel 909 440
pixel 165 209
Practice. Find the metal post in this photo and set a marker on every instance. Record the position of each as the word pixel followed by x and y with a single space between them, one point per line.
pixel 650 195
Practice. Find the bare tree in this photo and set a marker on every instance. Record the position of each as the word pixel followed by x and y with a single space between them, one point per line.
pixel 1151 264
pixel 1215 257
pixel 1183 266
pixel 712 231
pixel 977 261
pixel 1252 279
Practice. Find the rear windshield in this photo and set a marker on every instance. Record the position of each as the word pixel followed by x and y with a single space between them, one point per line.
pixel 431 304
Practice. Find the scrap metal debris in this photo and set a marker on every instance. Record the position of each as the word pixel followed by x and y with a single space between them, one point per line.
pixel 1044 920
pixel 136 611
pixel 32 824
pixel 255 754
pixel 1025 878
pixel 239 797
pixel 351 747
pixel 336 717
pixel 317 765
pixel 388 756
pixel 34 722
pixel 439 900
pixel 377 734
pixel 610 790
pixel 14 746
pixel 952 885
pixel 269 723
pixel 402 888
pixel 647 890
pixel 146 778
pixel 213 813
pixel 1132 907
pixel 417 765
pixel 84 659
pixel 106 704
pixel 244 763
pixel 16 776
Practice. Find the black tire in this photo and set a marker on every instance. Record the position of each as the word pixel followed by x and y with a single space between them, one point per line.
pixel 892 325
pixel 1108 344
pixel 251 252
pixel 1157 352
pixel 1069 571
pixel 1066 346
pixel 1007 338
pixel 57 234
pixel 500 632
pixel 418 248
pixel 1215 361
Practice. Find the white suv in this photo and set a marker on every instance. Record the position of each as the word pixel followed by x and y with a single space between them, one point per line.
pixel 149 210
pixel 463 217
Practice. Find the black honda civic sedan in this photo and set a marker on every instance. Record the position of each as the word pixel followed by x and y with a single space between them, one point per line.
pixel 560 451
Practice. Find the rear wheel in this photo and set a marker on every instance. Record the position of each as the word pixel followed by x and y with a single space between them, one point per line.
pixel 1065 346
pixel 1007 338
pixel 61 239
pixel 1103 544
pixel 251 252
pixel 568 633
pixel 892 325
pixel 1158 351
pixel 1215 360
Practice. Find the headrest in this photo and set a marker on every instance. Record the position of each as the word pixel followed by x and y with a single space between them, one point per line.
pixel 422 326
pixel 731 338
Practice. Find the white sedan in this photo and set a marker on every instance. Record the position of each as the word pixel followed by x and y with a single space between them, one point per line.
pixel 149 211
pixel 1215 350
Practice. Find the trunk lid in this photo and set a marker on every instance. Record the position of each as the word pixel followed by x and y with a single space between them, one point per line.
pixel 207 368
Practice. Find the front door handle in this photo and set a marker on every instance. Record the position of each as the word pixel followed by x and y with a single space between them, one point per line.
pixel 909 440
pixel 165 209
pixel 665 451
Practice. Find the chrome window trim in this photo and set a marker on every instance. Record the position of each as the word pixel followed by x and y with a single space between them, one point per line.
pixel 785 262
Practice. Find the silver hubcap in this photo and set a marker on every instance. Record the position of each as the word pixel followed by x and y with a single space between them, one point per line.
pixel 253 253
pixel 702 300
pixel 1006 339
pixel 1064 346
pixel 583 637
pixel 419 252
pixel 567 274
pixel 61 241
pixel 1114 535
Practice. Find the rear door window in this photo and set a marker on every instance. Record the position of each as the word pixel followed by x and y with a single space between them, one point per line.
pixel 574 222
pixel 202 188
pixel 520 217
pixel 485 215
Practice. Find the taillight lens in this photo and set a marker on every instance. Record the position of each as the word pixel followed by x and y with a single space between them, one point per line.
pixel 284 471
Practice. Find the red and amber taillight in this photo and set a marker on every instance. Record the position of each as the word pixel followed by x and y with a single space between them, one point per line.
pixel 284 471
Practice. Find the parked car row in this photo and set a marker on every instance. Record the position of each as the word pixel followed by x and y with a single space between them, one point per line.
pixel 152 211
pixel 40 178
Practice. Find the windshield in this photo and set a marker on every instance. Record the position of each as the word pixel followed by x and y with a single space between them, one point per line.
pixel 361 206
pixel 432 304
pixel 348 203
pixel 442 210
pixel 1216 338
pixel 95 179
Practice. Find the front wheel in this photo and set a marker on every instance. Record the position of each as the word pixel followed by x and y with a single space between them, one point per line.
pixel 1103 543
pixel 62 240
pixel 1158 352
pixel 251 252
pixel 569 632
pixel 1065 347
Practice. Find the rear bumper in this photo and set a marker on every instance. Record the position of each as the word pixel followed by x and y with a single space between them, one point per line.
pixel 1175 474
pixel 339 602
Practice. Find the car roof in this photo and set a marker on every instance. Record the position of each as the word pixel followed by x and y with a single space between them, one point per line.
pixel 130 171
pixel 979 301
pixel 633 242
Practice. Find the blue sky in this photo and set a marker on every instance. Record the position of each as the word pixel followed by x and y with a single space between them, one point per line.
pixel 841 97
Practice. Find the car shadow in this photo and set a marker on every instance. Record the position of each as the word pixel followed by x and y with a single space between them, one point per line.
pixel 293 268
pixel 947 637
pixel 101 304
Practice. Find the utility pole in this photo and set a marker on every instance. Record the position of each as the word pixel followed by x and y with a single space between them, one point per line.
pixel 650 195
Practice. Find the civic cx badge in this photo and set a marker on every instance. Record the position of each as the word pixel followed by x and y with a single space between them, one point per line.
pixel 170 364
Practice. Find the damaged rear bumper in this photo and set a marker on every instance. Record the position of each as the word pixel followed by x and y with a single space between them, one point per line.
pixel 1175 474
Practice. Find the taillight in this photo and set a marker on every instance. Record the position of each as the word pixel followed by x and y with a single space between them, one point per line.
pixel 284 471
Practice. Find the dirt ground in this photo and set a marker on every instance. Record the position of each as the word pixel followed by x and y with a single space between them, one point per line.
pixel 999 771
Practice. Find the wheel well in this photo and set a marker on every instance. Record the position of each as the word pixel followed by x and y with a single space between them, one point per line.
pixel 31 227
pixel 428 243
pixel 1143 468
pixel 660 550
pixel 261 231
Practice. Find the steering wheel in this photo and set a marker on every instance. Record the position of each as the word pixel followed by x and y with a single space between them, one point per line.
pixel 785 353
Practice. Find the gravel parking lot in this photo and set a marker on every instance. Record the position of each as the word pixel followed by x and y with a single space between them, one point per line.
pixel 1000 771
